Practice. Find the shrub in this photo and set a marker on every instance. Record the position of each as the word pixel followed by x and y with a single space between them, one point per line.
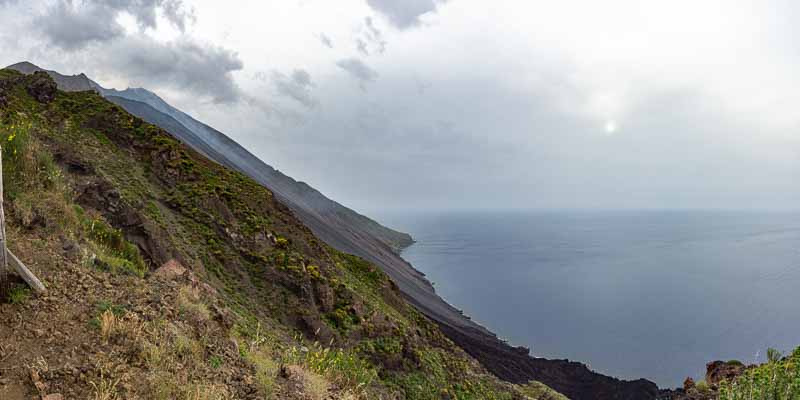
pixel 266 371
pixel 282 243
pixel 343 367
pixel 116 254
pixel 778 379
pixel 215 362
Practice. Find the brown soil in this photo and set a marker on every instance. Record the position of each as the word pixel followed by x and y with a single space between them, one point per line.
pixel 49 344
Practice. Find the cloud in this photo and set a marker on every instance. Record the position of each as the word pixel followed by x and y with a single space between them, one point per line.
pixel 325 40
pixel 184 64
pixel 73 25
pixel 357 69
pixel 177 14
pixel 298 86
pixel 403 14
pixel 705 113
pixel 371 39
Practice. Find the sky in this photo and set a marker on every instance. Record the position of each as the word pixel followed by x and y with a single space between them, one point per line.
pixel 464 104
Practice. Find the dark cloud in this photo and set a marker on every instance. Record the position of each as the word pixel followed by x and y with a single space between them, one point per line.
pixel 297 86
pixel 371 39
pixel 73 25
pixel 202 69
pixel 403 14
pixel 325 40
pixel 357 69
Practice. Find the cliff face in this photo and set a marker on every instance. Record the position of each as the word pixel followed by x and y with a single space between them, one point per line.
pixel 353 233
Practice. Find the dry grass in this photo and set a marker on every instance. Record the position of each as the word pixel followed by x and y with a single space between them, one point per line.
pixel 207 392
pixel 315 385
pixel 108 325
pixel 105 388
pixel 266 371
pixel 190 305
pixel 112 326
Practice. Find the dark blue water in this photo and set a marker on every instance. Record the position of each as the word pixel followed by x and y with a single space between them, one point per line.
pixel 632 294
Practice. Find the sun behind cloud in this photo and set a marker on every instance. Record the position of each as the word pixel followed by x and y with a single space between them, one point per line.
pixel 611 127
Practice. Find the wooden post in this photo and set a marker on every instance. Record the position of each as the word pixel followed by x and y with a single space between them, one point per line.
pixel 4 283
pixel 25 273
pixel 6 256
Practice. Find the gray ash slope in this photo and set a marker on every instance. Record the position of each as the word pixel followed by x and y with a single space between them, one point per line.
pixel 356 234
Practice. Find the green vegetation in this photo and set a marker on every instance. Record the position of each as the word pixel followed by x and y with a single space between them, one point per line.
pixel 343 367
pixel 116 309
pixel 105 307
pixel 540 391
pixel 19 294
pixel 778 379
pixel 114 253
pixel 735 362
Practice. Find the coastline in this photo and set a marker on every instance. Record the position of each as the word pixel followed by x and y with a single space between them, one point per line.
pixel 515 364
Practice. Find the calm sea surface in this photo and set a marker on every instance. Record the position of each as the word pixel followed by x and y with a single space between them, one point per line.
pixel 653 294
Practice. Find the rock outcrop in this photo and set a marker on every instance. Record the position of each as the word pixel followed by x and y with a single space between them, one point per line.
pixel 42 88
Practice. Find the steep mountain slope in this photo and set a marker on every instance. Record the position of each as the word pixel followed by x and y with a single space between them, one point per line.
pixel 336 228
pixel 347 225
pixel 171 276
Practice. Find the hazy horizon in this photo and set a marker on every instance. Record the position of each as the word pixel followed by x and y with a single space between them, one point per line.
pixel 427 104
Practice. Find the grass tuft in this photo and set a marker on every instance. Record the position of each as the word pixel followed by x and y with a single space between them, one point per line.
pixel 19 294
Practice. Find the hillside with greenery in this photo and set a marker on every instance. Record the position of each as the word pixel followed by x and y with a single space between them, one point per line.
pixel 777 379
pixel 171 277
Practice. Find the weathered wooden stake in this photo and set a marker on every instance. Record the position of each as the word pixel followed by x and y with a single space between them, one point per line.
pixel 4 283
pixel 6 256
pixel 25 273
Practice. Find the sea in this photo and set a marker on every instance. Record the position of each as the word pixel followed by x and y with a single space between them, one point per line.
pixel 633 294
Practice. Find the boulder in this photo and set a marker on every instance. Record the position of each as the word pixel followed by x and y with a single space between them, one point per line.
pixel 42 87
pixel 171 269
pixel 688 384
pixel 718 371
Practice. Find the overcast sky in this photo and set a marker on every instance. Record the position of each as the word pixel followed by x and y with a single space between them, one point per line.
pixel 386 104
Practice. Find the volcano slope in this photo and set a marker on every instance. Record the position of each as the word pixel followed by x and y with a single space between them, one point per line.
pixel 172 277
pixel 509 363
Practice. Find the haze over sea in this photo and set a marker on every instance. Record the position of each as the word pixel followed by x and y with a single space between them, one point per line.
pixel 653 294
